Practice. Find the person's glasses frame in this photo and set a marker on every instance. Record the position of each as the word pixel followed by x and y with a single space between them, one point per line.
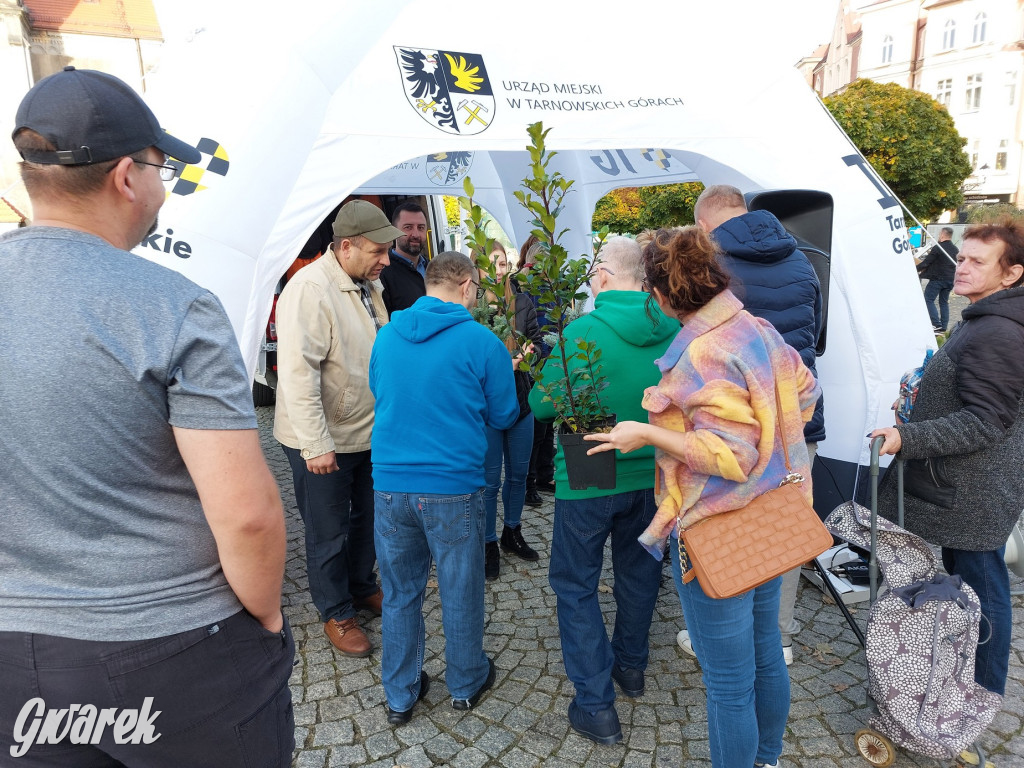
pixel 167 172
pixel 599 267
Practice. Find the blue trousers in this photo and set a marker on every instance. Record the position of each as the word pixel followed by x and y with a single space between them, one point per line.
pixel 739 647
pixel 986 573
pixel 337 511
pixel 512 448
pixel 411 529
pixel 582 526
pixel 938 289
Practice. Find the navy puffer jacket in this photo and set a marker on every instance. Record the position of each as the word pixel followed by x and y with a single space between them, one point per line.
pixel 775 281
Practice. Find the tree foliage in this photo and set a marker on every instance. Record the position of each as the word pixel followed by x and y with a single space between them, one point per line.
pixel 634 209
pixel 983 214
pixel 909 139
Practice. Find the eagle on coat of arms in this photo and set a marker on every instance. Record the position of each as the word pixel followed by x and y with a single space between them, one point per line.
pixel 448 89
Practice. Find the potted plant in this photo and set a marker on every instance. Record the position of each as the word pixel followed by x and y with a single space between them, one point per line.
pixel 573 380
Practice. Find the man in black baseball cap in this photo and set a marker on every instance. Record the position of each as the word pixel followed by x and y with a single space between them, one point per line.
pixel 142 534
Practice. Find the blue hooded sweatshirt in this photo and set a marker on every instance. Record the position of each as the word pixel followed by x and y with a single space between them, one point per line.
pixel 440 379
pixel 776 282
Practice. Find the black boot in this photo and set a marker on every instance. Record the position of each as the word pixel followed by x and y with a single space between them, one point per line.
pixel 533 498
pixel 492 561
pixel 512 541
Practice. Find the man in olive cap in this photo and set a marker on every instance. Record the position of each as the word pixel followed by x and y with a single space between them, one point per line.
pixel 142 538
pixel 327 319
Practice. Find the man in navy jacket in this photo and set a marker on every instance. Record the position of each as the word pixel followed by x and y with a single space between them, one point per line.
pixel 775 281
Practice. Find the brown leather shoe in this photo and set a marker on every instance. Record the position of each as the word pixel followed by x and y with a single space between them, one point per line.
pixel 371 603
pixel 347 637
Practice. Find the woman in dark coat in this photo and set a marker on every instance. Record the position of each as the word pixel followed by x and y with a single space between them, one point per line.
pixel 964 444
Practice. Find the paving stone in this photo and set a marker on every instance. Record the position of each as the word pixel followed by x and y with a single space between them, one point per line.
pixel 338 701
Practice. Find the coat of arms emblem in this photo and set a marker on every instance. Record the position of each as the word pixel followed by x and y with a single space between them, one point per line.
pixel 447 168
pixel 448 89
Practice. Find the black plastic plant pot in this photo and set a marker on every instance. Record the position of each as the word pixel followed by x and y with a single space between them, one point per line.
pixel 597 471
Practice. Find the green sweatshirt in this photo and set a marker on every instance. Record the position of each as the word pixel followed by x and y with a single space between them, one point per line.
pixel 630 341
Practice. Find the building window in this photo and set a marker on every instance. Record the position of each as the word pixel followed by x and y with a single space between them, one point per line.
pixel 979 28
pixel 949 35
pixel 975 151
pixel 1001 155
pixel 887 49
pixel 973 93
pixel 944 92
pixel 1011 88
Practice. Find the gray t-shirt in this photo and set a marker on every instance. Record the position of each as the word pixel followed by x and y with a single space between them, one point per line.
pixel 102 536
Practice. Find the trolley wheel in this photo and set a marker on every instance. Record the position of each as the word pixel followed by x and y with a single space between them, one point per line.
pixel 875 748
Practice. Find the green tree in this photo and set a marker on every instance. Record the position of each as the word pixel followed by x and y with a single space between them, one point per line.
pixel 633 209
pixel 983 214
pixel 910 139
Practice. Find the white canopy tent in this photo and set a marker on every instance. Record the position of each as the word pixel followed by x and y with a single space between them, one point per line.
pixel 380 97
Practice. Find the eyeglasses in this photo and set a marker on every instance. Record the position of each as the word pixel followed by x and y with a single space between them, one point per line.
pixel 167 172
pixel 602 268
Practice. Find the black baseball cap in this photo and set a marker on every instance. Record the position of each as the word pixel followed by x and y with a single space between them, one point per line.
pixel 92 117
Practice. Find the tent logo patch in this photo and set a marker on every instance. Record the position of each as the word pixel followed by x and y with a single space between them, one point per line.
pixel 448 89
pixel 195 178
pixel 447 168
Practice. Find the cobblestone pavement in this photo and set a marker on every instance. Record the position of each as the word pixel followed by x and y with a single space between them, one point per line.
pixel 521 722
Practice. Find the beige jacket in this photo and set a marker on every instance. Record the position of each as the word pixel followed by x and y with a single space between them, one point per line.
pixel 324 338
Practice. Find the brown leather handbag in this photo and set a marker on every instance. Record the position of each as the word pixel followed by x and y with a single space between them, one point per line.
pixel 732 552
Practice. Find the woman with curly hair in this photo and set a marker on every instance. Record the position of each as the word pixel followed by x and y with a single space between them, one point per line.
pixel 719 444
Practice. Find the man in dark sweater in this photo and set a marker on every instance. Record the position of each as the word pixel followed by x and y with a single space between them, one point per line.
pixel 938 267
pixel 776 282
pixel 403 278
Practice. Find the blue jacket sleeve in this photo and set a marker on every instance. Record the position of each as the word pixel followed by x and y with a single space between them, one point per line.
pixel 500 388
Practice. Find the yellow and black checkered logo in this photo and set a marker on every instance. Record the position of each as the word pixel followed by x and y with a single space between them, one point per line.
pixel 190 177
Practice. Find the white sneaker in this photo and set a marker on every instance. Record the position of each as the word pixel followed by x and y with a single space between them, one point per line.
pixel 683 641
pixel 787 654
pixel 766 765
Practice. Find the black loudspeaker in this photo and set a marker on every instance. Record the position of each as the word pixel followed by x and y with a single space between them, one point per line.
pixel 807 215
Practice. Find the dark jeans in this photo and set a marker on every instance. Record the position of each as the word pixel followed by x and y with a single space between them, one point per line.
pixel 220 697
pixel 987 575
pixel 337 510
pixel 542 457
pixel 938 289
pixel 582 527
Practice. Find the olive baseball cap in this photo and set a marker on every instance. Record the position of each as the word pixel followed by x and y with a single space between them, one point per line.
pixel 92 117
pixel 360 217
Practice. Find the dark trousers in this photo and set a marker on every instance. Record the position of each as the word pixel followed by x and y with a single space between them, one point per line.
pixel 220 698
pixel 582 526
pixel 987 575
pixel 337 510
pixel 938 289
pixel 542 458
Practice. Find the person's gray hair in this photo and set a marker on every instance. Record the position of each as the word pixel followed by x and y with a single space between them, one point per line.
pixel 624 258
pixel 449 268
pixel 947 231
pixel 718 196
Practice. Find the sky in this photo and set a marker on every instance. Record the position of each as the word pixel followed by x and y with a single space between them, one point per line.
pixel 810 23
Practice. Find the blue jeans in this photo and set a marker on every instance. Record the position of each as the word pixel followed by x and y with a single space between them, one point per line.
pixel 410 529
pixel 511 447
pixel 337 511
pixel 938 289
pixel 987 575
pixel 739 647
pixel 582 527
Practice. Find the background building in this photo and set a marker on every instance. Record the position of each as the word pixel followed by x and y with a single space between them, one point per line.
pixel 41 37
pixel 967 54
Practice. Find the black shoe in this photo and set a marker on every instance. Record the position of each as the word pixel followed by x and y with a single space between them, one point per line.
pixel 463 704
pixel 401 718
pixel 602 727
pixel 533 498
pixel 547 486
pixel 512 541
pixel 492 560
pixel 631 681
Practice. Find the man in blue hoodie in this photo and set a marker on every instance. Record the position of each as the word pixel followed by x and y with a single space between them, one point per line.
pixel 428 479
pixel 775 281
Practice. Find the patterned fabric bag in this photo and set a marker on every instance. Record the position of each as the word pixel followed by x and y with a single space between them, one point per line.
pixel 921 640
